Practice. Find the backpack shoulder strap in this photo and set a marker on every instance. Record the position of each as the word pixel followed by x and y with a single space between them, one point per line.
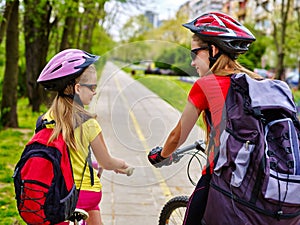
pixel 41 123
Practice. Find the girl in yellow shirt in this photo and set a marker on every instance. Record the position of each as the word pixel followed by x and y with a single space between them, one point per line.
pixel 72 75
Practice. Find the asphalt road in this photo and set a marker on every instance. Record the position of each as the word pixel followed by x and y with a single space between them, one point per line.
pixel 134 120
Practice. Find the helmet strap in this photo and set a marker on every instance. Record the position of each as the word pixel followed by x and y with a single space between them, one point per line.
pixel 213 59
pixel 75 97
pixel 78 100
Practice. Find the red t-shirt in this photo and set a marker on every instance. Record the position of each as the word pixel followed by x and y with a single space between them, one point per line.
pixel 209 93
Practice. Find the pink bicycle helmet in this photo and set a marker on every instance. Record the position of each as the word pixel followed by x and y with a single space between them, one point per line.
pixel 64 67
pixel 223 31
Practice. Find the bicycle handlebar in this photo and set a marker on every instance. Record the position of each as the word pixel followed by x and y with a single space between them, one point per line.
pixel 197 150
pixel 199 145
pixel 180 152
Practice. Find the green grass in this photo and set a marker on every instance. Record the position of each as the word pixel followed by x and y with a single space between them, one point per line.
pixel 11 146
pixel 296 94
pixel 170 89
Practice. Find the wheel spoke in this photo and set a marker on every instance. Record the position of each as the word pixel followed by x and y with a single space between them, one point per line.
pixel 177 216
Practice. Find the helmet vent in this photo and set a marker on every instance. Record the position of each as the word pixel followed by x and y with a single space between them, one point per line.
pixel 74 60
pixel 56 68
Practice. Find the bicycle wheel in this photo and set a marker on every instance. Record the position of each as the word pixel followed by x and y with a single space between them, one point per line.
pixel 173 211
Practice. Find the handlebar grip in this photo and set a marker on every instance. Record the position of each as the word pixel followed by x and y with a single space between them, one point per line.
pixel 179 153
pixel 128 171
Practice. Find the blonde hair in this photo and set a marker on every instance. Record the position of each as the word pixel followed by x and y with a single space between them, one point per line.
pixel 68 113
pixel 224 66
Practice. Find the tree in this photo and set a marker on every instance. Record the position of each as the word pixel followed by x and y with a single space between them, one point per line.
pixel 279 35
pixel 5 18
pixel 172 30
pixel 279 17
pixel 9 91
pixel 80 20
pixel 37 28
pixel 93 12
pixel 50 26
pixel 135 28
pixel 74 29
pixel 68 36
pixel 252 58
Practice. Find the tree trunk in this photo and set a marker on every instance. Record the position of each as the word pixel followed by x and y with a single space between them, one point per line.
pixel 279 30
pixel 9 116
pixel 37 29
pixel 66 41
pixel 90 18
pixel 281 48
pixel 6 16
pixel 280 74
pixel 68 38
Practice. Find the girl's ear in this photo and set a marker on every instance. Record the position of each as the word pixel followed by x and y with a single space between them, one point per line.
pixel 77 88
pixel 215 50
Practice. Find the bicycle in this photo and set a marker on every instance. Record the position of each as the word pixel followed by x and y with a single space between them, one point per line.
pixel 78 217
pixel 173 211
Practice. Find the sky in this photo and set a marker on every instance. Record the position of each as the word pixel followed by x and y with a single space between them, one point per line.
pixel 164 8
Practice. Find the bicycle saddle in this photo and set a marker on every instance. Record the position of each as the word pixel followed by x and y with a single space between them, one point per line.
pixel 78 214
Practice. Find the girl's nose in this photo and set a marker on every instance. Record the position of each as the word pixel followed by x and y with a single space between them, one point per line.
pixel 193 63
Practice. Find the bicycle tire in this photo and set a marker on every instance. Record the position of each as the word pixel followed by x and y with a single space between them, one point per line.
pixel 173 211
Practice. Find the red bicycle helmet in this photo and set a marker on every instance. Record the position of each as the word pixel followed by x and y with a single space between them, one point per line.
pixel 65 67
pixel 223 31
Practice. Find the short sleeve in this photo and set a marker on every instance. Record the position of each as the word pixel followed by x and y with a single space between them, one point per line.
pixel 197 96
pixel 92 127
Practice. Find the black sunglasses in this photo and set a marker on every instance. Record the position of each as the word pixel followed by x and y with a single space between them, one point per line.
pixel 92 87
pixel 195 51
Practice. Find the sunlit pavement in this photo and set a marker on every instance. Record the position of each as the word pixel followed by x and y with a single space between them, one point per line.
pixel 134 120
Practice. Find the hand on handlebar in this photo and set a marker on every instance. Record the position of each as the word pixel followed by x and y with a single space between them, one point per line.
pixel 157 160
pixel 128 171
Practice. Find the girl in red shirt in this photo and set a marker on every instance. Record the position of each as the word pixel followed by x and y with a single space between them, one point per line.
pixel 216 43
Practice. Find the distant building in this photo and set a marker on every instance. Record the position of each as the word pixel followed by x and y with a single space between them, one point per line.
pixel 261 16
pixel 199 7
pixel 257 11
pixel 236 8
pixel 152 18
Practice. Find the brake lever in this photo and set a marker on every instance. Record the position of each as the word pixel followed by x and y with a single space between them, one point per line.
pixel 200 145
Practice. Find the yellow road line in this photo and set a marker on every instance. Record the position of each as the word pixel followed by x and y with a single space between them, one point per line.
pixel 163 185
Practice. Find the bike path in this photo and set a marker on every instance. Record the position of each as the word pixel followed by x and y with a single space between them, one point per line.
pixel 134 120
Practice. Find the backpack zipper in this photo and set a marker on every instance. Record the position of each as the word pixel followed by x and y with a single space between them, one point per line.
pixel 36 182
pixel 246 141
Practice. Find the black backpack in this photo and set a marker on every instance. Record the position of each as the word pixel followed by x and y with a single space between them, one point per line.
pixel 43 180
pixel 256 178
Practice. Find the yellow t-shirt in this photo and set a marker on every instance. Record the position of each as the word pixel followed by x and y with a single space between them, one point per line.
pixel 84 135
